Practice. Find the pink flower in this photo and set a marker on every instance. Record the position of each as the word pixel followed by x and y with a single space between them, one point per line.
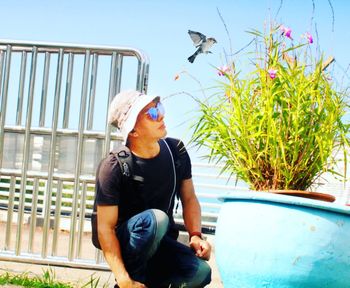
pixel 272 73
pixel 286 31
pixel 223 70
pixel 309 37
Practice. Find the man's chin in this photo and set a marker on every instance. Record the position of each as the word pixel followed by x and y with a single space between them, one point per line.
pixel 163 134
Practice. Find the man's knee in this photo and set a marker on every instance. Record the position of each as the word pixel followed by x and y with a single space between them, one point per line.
pixel 141 236
pixel 149 229
pixel 161 223
pixel 203 274
pixel 149 221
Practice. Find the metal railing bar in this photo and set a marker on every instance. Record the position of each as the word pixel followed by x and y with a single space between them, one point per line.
pixel 61 132
pixel 33 215
pixel 45 84
pixel 111 94
pixel 115 86
pixel 44 175
pixel 26 151
pixel 67 99
pixel 10 212
pixel 2 53
pixel 98 256
pixel 42 189
pixel 22 77
pixel 79 155
pixel 78 51
pixel 81 220
pixel 58 206
pixel 92 93
pixel 142 80
pixel 52 154
pixel 139 80
pixel 65 210
pixel 5 86
pixel 118 74
pixel 66 200
pixel 54 261
pixel 74 48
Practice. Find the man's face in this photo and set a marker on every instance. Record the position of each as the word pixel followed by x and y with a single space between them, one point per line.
pixel 149 127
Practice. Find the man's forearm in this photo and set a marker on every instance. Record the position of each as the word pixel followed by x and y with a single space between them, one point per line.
pixel 192 216
pixel 112 252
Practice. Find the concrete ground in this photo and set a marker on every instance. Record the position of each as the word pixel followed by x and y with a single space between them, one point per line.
pixel 77 277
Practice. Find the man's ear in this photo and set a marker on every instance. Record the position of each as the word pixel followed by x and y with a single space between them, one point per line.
pixel 133 133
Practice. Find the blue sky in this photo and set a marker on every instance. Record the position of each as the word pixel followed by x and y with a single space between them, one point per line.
pixel 160 29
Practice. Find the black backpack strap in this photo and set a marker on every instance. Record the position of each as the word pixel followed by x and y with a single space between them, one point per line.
pixel 173 144
pixel 125 160
pixel 174 147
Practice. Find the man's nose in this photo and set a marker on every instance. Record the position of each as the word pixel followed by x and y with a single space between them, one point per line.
pixel 160 117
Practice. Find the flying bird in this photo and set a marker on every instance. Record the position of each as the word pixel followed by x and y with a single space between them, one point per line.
pixel 201 42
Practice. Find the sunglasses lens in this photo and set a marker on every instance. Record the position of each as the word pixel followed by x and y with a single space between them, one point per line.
pixel 160 108
pixel 153 113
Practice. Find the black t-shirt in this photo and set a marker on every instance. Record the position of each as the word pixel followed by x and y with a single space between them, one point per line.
pixel 157 189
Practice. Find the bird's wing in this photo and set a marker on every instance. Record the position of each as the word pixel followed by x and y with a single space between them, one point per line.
pixel 196 37
pixel 209 43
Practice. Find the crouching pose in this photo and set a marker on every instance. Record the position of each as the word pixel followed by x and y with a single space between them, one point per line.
pixel 136 188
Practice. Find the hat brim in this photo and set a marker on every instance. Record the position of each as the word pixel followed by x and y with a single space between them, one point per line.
pixel 142 101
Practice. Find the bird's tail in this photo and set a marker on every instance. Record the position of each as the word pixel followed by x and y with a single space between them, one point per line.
pixel 192 57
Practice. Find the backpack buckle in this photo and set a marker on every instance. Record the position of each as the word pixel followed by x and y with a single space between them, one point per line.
pixel 123 154
pixel 126 170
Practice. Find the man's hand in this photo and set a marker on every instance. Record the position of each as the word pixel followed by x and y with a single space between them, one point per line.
pixel 201 247
pixel 129 283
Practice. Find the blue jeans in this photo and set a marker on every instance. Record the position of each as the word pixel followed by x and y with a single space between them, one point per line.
pixel 155 259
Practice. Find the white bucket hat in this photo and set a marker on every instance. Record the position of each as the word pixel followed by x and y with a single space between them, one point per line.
pixel 124 109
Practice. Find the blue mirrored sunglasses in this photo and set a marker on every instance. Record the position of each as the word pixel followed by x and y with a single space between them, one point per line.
pixel 155 112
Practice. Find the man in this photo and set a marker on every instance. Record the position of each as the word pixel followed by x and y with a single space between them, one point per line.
pixel 135 224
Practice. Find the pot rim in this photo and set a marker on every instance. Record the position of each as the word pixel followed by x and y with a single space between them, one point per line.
pixel 260 196
pixel 305 194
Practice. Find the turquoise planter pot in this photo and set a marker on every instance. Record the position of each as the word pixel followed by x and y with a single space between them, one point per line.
pixel 268 240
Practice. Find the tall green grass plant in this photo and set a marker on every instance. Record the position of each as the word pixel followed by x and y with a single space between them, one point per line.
pixel 48 279
pixel 280 125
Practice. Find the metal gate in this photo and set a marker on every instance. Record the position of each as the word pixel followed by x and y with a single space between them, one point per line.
pixel 49 149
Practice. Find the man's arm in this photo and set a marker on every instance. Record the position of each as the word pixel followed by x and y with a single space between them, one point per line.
pixel 107 217
pixel 192 218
